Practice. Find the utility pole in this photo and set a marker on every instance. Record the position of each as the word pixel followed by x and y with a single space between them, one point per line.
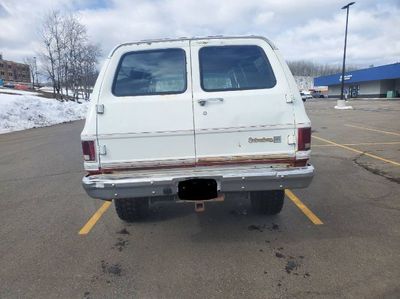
pixel 36 74
pixel 341 104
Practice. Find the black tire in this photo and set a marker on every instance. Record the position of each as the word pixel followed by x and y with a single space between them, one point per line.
pixel 267 202
pixel 132 209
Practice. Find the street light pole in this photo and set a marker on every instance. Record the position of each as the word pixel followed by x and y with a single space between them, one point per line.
pixel 341 103
pixel 36 73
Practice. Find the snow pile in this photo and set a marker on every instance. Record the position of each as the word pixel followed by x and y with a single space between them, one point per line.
pixel 24 110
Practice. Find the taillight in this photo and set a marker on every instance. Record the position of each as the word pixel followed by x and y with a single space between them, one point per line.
pixel 89 153
pixel 304 139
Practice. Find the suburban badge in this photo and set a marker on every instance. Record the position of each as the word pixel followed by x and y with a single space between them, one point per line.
pixel 275 139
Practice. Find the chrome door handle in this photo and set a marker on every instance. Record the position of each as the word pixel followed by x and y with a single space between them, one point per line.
pixel 202 102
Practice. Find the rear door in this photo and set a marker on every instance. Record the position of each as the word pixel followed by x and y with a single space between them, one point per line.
pixel 145 116
pixel 241 103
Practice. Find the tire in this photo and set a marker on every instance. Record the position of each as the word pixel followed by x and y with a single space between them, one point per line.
pixel 132 209
pixel 267 202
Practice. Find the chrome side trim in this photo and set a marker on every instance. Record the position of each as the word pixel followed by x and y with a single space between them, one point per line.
pixel 149 163
pixel 198 131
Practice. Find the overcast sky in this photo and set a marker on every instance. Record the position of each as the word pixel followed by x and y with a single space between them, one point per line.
pixel 303 29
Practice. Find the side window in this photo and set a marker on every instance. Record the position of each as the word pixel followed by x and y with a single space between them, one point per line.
pixel 235 68
pixel 151 72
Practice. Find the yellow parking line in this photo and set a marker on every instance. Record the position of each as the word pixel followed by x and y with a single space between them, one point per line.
pixel 357 151
pixel 314 219
pixel 93 220
pixel 364 143
pixel 374 130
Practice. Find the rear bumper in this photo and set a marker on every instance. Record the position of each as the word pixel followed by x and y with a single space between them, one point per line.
pixel 165 182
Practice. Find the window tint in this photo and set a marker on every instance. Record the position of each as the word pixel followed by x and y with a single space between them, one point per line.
pixel 151 72
pixel 235 68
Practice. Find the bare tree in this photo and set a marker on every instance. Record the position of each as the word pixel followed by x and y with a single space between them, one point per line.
pixel 31 62
pixel 312 69
pixel 69 59
pixel 75 39
pixel 52 38
pixel 91 53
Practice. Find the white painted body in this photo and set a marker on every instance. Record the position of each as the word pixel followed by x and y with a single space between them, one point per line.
pixel 175 130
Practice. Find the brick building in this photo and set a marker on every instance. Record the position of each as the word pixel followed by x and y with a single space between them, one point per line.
pixel 14 72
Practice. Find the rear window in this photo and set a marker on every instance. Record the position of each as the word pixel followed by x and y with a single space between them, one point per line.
pixel 235 68
pixel 151 72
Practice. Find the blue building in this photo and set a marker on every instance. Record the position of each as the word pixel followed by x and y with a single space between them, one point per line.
pixel 373 82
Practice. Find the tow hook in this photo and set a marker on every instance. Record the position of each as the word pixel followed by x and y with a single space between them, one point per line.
pixel 199 206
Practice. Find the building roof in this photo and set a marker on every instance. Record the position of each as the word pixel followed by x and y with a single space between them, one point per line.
pixel 12 62
pixel 383 72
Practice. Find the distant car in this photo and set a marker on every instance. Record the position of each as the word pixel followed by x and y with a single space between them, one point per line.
pixel 21 87
pixel 9 85
pixel 305 95
pixel 318 95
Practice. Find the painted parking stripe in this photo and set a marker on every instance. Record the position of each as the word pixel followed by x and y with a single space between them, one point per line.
pixel 357 151
pixel 363 143
pixel 96 216
pixel 373 130
pixel 93 220
pixel 310 215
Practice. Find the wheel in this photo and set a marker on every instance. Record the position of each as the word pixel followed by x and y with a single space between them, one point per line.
pixel 132 209
pixel 267 202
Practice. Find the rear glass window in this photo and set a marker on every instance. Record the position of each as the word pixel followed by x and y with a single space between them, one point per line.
pixel 151 72
pixel 235 68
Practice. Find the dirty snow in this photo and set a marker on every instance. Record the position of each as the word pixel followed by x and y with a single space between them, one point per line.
pixel 24 110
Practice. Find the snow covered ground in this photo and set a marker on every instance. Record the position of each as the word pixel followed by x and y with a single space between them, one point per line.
pixel 24 110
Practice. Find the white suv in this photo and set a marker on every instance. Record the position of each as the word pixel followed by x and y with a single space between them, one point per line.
pixel 195 119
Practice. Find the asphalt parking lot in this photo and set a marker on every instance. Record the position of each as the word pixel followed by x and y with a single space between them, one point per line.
pixel 338 238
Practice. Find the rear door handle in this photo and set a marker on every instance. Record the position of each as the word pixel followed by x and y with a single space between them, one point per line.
pixel 202 102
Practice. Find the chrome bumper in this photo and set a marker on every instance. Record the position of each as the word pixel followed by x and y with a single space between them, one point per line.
pixel 130 184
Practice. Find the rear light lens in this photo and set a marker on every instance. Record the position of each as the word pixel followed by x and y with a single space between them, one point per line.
pixel 88 149
pixel 304 139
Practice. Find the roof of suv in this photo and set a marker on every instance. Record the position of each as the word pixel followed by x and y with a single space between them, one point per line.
pixel 149 41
